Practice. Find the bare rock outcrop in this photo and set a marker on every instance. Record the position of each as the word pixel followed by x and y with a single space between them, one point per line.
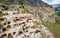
pixel 25 21
pixel 45 13
pixel 36 7
pixel 23 26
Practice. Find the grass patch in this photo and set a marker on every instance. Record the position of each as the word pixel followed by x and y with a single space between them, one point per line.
pixel 0 20
pixel 0 12
pixel 54 27
pixel 1 26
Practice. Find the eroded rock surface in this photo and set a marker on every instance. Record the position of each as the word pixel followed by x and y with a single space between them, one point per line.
pixel 45 13
pixel 23 26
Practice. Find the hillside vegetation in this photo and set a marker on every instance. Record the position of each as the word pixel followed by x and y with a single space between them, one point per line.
pixel 57 10
pixel 0 20
pixel 54 27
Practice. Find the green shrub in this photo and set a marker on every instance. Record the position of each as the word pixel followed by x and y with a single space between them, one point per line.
pixel 58 19
pixel 0 13
pixel 21 2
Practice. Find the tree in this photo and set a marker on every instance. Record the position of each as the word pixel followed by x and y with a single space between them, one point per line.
pixel 21 2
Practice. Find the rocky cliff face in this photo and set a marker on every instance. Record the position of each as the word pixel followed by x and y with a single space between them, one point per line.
pixel 36 3
pixel 45 13
pixel 37 7
pixel 23 26
pixel 27 14
pixel 26 2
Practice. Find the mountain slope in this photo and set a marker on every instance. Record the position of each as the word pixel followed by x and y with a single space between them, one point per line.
pixel 56 5
pixel 40 8
pixel 27 2
pixel 57 9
